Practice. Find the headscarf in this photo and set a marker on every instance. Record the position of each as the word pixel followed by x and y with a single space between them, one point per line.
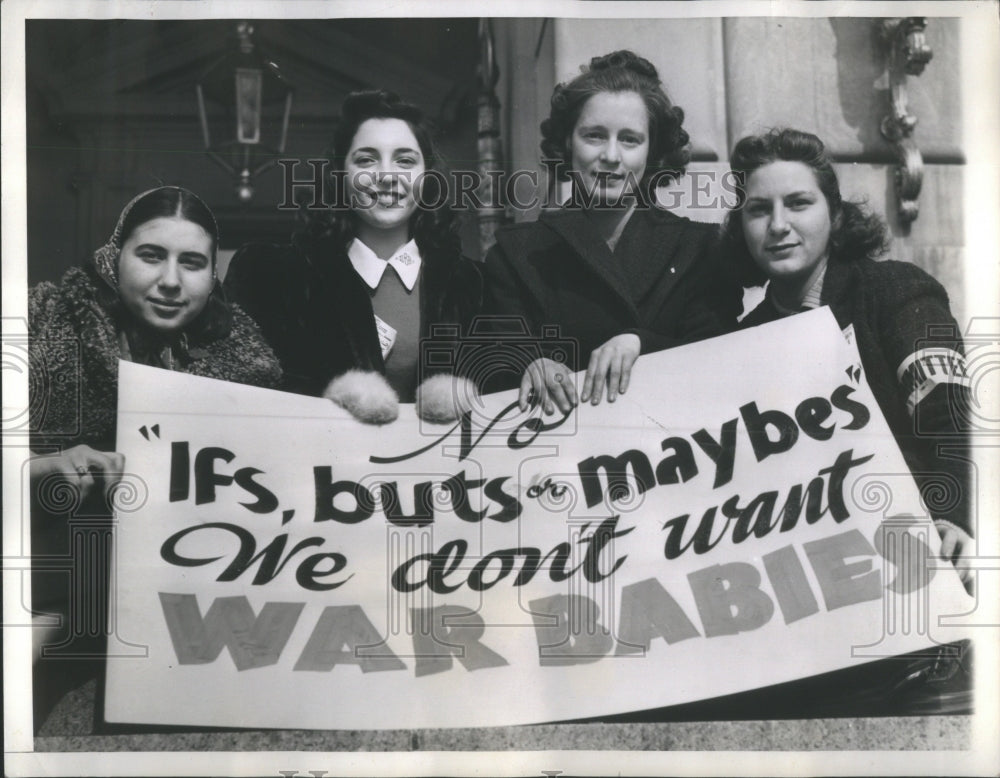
pixel 138 343
pixel 107 256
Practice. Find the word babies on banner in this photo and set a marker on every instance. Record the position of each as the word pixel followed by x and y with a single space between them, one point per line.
pixel 289 567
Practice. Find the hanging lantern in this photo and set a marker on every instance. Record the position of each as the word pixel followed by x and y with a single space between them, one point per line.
pixel 244 105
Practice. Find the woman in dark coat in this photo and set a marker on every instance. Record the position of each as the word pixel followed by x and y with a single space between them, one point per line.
pixel 353 294
pixel 617 274
pixel 793 229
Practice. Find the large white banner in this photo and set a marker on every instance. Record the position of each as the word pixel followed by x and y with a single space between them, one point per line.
pixel 740 518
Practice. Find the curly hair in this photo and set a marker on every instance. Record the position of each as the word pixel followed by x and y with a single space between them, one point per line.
pixel 620 71
pixel 433 228
pixel 855 232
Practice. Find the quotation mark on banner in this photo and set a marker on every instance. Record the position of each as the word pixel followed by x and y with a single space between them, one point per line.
pixel 155 429
pixel 854 373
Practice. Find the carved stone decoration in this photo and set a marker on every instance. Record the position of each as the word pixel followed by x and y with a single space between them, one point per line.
pixel 490 149
pixel 908 54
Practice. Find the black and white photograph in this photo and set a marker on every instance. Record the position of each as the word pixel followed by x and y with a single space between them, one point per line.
pixel 560 388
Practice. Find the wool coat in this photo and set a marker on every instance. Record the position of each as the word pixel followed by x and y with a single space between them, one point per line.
pixel 913 357
pixel 316 311
pixel 663 282
pixel 75 348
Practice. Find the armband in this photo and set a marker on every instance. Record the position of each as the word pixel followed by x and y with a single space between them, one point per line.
pixel 927 368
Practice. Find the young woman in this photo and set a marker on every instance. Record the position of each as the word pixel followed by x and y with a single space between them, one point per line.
pixel 793 229
pixel 149 295
pixel 349 301
pixel 618 275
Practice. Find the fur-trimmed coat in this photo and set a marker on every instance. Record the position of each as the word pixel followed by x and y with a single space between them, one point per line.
pixel 316 311
pixel 913 356
pixel 74 351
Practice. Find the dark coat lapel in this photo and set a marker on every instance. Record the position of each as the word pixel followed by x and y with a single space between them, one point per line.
pixel 582 237
pixel 352 304
pixel 655 239
pixel 837 289
pixel 434 284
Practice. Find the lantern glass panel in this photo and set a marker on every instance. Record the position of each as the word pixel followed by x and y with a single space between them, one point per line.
pixel 248 105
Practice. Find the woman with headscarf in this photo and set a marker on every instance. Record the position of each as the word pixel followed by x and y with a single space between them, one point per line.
pixel 149 295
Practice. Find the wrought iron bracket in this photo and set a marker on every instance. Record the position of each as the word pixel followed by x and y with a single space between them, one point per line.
pixel 908 54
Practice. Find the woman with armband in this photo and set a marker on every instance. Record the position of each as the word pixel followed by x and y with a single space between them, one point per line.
pixel 793 230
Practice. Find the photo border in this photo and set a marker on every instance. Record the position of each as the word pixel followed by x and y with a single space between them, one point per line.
pixel 980 55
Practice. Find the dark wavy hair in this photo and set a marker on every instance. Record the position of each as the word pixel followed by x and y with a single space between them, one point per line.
pixel 215 320
pixel 855 232
pixel 620 71
pixel 433 228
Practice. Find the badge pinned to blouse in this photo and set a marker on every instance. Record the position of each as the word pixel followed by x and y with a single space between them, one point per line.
pixel 386 336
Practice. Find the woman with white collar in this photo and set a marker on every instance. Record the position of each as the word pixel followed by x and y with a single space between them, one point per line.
pixel 347 303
